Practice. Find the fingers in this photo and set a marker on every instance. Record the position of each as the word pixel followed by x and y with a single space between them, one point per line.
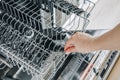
pixel 68 44
pixel 70 49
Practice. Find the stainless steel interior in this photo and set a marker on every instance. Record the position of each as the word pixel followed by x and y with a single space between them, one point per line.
pixel 32 38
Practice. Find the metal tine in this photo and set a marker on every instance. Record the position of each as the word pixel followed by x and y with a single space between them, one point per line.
pixel 57 32
pixel 41 41
pixel 18 27
pixel 32 8
pixel 19 3
pixel 36 13
pixel 12 3
pixel 73 23
pixel 36 52
pixel 11 10
pixel 7 1
pixel 1 24
pixel 4 34
pixel 17 64
pixel 14 62
pixel 25 6
pixel 25 14
pixel 38 39
pixel 28 51
pixel 32 54
pixel 28 72
pixel 34 25
pixel 1 63
pixel 6 7
pixel 45 41
pixel 48 38
pixel 32 73
pixel 9 19
pixel 38 24
pixel 41 48
pixel 21 16
pixel 27 10
pixel 38 17
pixel 24 69
pixel 50 44
pixel 4 17
pixel 54 47
pixel 16 42
pixel 7 34
pixel 2 40
pixel 16 33
pixel 11 61
pixel 14 36
pixel 24 48
pixel 12 20
pixel 93 5
pixel 35 57
pixel 3 29
pixel 73 20
pixel 39 59
pixel 21 29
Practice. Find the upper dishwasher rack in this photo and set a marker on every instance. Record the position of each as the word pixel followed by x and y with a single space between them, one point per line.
pixel 33 33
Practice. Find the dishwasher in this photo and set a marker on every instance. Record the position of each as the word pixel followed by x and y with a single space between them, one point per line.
pixel 32 38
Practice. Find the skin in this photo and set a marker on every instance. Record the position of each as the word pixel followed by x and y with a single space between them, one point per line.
pixel 82 42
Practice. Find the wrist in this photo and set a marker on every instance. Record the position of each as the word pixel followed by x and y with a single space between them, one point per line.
pixel 95 44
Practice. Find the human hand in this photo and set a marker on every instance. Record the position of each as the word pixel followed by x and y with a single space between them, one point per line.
pixel 79 42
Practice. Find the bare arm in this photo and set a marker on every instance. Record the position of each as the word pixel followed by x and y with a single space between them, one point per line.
pixel 81 42
pixel 109 40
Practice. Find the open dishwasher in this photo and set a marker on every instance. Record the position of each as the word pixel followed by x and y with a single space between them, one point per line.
pixel 32 38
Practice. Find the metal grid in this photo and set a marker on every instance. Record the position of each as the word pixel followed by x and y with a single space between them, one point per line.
pixel 36 41
pixel 76 67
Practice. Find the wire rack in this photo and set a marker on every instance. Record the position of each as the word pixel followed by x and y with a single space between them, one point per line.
pixel 33 32
pixel 75 67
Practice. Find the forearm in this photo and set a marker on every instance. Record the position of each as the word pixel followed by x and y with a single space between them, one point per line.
pixel 81 42
pixel 109 40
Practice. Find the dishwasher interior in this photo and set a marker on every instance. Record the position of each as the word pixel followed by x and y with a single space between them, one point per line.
pixel 32 38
